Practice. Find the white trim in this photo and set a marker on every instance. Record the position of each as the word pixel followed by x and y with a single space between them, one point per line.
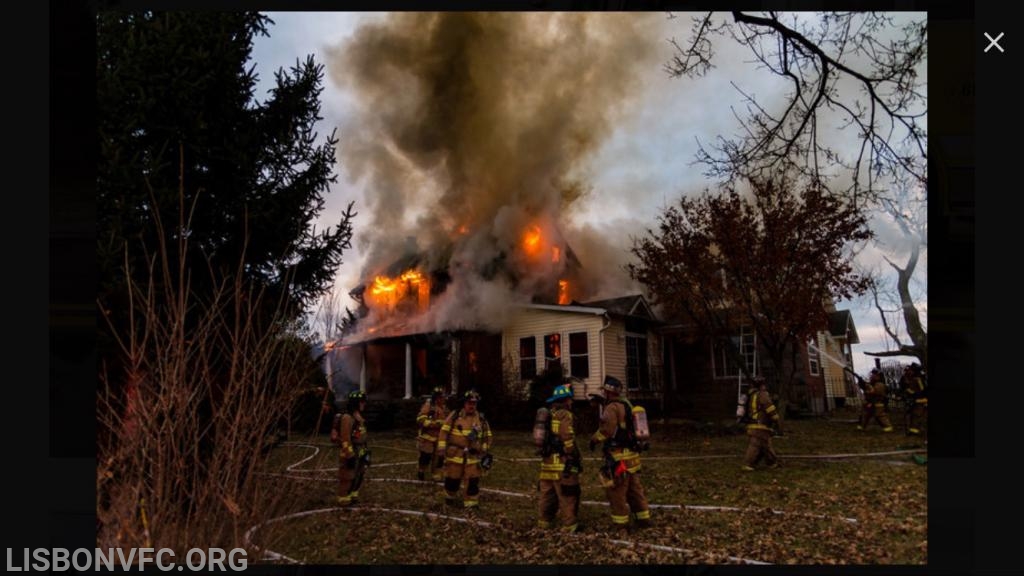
pixel 557 308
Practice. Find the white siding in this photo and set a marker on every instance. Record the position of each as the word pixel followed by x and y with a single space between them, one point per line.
pixel 539 323
pixel 615 350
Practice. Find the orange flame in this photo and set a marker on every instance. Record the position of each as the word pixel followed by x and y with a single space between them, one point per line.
pixel 388 293
pixel 556 254
pixel 563 292
pixel 531 240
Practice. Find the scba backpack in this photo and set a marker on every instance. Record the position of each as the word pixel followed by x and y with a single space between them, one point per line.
pixel 638 433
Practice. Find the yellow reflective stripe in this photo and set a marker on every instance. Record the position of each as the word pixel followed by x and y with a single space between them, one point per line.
pixel 770 409
pixel 624 454
pixel 442 444
pixel 620 519
pixel 421 418
pixel 555 426
pixel 427 437
pixel 643 515
pixel 921 401
pixel 879 404
pixel 550 475
pixel 570 444
pixel 757 427
pixel 600 437
pixel 446 428
pixel 454 459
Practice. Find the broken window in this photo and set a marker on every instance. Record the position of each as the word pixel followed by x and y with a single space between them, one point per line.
pixel 579 355
pixel 527 358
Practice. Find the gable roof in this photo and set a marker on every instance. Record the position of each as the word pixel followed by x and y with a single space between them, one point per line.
pixel 840 325
pixel 634 305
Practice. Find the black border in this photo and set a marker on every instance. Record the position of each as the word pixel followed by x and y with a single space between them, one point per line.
pixel 969 489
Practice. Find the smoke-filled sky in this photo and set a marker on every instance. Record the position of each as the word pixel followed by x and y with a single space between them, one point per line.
pixel 458 131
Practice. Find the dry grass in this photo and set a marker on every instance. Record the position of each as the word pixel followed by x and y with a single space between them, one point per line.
pixel 813 510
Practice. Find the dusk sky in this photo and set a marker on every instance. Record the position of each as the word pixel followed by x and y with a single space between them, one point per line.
pixel 600 110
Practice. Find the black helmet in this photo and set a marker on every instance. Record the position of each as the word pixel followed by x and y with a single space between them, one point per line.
pixel 471 396
pixel 354 398
pixel 612 384
pixel 437 391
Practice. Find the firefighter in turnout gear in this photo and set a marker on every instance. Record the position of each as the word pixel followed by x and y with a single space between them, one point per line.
pixel 874 403
pixel 349 432
pixel 560 467
pixel 620 474
pixel 912 384
pixel 465 441
pixel 430 419
pixel 762 416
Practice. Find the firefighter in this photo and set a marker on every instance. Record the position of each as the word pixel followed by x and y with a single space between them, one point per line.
pixel 762 416
pixel 430 419
pixel 349 432
pixel 465 442
pixel 560 466
pixel 913 386
pixel 620 474
pixel 874 403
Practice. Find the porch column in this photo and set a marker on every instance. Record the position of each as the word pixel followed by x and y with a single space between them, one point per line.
pixel 455 364
pixel 408 370
pixel 362 373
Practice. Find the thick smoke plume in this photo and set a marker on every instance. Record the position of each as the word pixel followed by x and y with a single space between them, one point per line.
pixel 475 127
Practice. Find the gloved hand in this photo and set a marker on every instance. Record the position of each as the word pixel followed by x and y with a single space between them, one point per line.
pixel 364 456
pixel 487 461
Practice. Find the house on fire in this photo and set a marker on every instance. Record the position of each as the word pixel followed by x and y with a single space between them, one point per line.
pixel 588 340
pixel 403 350
pixel 426 329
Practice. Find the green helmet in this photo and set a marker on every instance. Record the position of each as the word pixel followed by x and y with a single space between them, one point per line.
pixel 561 393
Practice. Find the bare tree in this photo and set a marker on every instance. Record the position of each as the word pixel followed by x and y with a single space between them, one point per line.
pixel 903 210
pixel 849 76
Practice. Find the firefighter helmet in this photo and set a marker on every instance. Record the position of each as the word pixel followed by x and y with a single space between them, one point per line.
pixel 612 384
pixel 436 392
pixel 471 396
pixel 561 393
pixel 354 398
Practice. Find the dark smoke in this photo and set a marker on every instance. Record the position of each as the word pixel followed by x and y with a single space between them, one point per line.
pixel 485 122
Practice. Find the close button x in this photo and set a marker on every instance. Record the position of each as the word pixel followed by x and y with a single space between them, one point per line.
pixel 994 42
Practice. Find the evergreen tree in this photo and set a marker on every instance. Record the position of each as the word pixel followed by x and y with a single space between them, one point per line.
pixel 186 152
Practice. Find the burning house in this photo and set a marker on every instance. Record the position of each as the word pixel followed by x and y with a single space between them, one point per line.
pixel 429 326
pixel 473 136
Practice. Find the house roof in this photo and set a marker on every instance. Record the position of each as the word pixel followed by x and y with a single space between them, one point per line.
pixel 840 325
pixel 634 305
pixel 573 308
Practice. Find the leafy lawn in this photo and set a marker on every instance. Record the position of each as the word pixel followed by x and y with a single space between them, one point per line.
pixel 830 503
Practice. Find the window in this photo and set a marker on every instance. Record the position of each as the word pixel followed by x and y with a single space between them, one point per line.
pixel 814 358
pixel 552 349
pixel 636 362
pixel 724 365
pixel 527 358
pixel 579 358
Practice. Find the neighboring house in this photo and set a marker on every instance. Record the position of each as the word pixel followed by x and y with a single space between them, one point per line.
pixel 835 352
pixel 703 380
